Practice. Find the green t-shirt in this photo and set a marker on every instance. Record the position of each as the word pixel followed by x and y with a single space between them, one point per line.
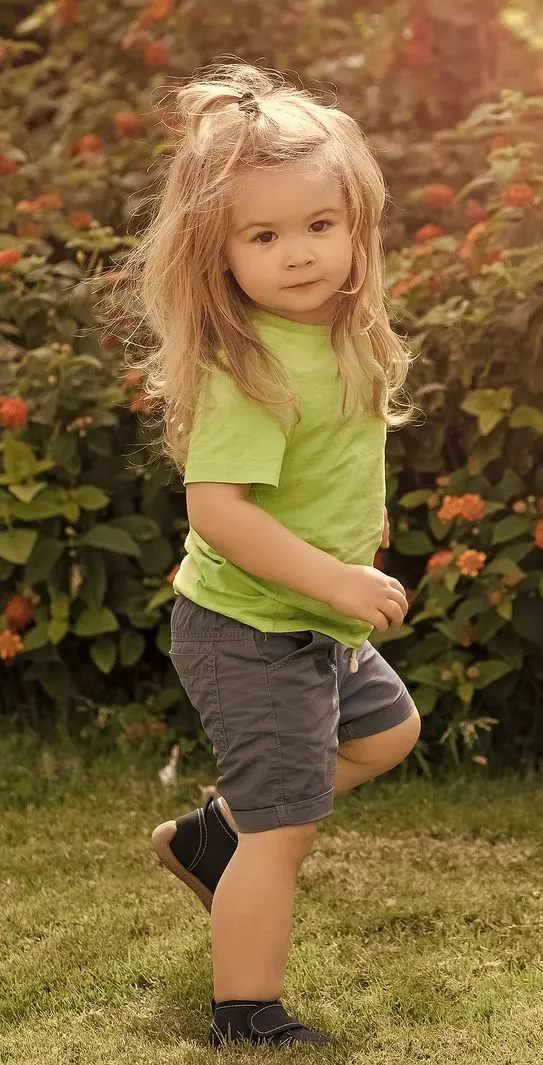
pixel 323 479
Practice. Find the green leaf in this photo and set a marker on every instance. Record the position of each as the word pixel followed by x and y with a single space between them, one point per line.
pixel 96 622
pixel 16 545
pixel 138 526
pixel 528 619
pixel 88 497
pixel 505 567
pixel 438 530
pixel 93 588
pixel 103 653
pixel 425 698
pixel 48 504
pixel 43 559
pixel 525 417
pixel 465 692
pixel 490 671
pixel 164 638
pixel 415 499
pixel 19 459
pixel 131 647
pixel 489 405
pixel 27 492
pixel 163 595
pixel 110 538
pixel 431 676
pixel 509 485
pixel 391 634
pixel 413 543
pixel 57 630
pixel 37 637
pixel 511 527
pixel 505 609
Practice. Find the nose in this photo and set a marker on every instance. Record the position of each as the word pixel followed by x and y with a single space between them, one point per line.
pixel 297 256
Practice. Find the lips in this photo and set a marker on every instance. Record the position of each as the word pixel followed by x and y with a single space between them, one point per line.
pixel 305 284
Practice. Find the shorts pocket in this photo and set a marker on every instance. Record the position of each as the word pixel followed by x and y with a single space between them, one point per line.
pixel 198 675
pixel 280 649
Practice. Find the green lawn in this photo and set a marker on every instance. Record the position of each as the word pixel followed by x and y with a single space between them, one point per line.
pixel 418 931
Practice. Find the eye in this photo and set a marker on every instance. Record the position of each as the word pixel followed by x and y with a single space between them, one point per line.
pixel 264 238
pixel 323 225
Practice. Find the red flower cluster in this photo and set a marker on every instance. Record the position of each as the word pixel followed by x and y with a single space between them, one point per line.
pixel 439 560
pixel 470 562
pixel 10 645
pixel 470 507
pixel 13 413
pixel 19 612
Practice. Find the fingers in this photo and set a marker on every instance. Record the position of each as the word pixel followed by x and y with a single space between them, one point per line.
pixel 400 598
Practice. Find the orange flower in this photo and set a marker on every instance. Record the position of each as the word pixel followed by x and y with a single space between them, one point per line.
pixel 519 194
pixel 49 201
pixel 10 645
pixel 13 413
pixel 475 212
pixel 420 251
pixel 470 507
pixel 405 284
pixel 10 256
pixel 7 165
pixel 450 508
pixel 439 560
pixel 88 144
pixel 473 507
pixel 27 206
pixel 127 123
pixel 31 230
pixel 156 9
pixel 416 55
pixel 156 54
pixel 470 562
pixel 19 612
pixel 80 219
pixel 438 195
pixel 520 507
pixel 428 232
pixel 65 13
pixel 539 534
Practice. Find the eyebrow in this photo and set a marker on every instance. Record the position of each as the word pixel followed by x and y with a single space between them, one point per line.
pixel 270 225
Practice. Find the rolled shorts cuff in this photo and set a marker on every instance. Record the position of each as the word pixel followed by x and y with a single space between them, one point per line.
pixel 380 721
pixel 294 813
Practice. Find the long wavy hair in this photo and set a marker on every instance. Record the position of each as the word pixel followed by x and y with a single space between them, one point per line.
pixel 193 311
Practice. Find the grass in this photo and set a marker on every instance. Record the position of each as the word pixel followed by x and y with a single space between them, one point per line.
pixel 418 927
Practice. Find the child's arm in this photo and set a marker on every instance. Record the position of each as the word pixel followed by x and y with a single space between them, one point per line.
pixel 250 538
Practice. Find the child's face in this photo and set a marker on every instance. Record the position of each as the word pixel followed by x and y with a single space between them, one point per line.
pixel 289 244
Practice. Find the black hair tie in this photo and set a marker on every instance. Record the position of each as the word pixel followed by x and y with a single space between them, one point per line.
pixel 248 104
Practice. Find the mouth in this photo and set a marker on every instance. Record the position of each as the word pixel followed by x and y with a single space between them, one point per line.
pixel 304 284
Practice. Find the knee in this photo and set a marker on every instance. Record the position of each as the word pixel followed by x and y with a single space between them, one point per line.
pixel 296 841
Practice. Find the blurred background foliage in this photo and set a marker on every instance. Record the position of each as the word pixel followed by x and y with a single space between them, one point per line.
pixel 92 527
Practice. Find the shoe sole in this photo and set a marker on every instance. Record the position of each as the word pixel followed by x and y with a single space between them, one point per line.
pixel 161 839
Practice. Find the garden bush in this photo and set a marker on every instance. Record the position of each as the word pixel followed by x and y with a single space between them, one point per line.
pixel 93 525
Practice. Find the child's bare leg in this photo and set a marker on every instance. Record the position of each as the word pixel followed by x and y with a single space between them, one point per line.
pixel 251 917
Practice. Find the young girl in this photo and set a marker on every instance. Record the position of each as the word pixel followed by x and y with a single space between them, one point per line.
pixel 261 277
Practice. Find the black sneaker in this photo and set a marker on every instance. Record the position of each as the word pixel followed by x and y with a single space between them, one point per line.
pixel 197 848
pixel 260 1022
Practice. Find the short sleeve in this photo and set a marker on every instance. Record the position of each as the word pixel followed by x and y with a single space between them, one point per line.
pixel 234 440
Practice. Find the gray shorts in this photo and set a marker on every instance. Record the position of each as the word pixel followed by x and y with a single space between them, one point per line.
pixel 275 707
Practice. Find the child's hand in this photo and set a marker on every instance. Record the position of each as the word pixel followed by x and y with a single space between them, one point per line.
pixel 367 593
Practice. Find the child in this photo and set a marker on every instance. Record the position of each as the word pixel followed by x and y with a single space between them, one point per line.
pixel 261 276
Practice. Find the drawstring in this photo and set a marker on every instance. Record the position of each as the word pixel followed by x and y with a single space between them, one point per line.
pixel 353 661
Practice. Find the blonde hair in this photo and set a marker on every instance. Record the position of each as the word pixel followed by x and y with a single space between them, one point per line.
pixel 194 312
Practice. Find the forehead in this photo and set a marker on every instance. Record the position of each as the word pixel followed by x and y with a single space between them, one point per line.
pixel 286 192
